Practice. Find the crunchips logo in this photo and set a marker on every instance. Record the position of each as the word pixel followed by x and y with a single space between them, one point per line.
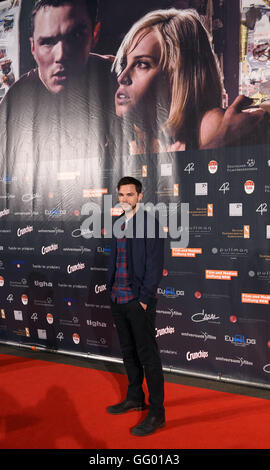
pixel 48 249
pixel 75 267
pixel 4 212
pixel 191 356
pixel 25 230
pixel 169 330
pixel 101 288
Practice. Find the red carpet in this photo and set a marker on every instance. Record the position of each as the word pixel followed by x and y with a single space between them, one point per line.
pixel 54 406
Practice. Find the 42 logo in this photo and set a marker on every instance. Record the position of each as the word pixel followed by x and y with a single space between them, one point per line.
pixel 190 167
pixel 225 187
pixel 263 208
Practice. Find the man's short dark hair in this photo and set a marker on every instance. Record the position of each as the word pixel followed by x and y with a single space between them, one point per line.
pixel 130 180
pixel 91 5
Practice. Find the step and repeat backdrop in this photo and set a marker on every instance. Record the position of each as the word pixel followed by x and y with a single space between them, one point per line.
pixel 213 301
pixel 213 308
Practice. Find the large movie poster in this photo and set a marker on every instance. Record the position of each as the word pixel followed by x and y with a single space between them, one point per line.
pixel 155 100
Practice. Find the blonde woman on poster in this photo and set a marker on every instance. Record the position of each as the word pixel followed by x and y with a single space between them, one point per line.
pixel 170 87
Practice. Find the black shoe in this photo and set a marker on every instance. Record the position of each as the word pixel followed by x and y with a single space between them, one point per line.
pixel 148 426
pixel 125 406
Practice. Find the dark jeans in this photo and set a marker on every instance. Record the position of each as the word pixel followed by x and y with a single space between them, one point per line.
pixel 136 330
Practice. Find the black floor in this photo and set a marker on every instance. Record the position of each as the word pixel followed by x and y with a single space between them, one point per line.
pixel 108 366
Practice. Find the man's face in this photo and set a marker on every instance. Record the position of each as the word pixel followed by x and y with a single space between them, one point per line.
pixel 129 198
pixel 61 43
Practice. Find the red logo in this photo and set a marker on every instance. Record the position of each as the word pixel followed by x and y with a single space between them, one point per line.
pixel 249 186
pixel 233 319
pixel 212 166
pixel 76 338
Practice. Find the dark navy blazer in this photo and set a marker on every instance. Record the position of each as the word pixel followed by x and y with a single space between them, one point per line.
pixel 145 255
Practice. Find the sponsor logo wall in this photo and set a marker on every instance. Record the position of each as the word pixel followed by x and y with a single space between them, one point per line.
pixel 213 301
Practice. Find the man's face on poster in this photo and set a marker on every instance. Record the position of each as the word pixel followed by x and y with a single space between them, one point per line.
pixel 61 43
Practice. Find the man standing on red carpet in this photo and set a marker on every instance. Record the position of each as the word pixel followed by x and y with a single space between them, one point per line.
pixel 135 270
